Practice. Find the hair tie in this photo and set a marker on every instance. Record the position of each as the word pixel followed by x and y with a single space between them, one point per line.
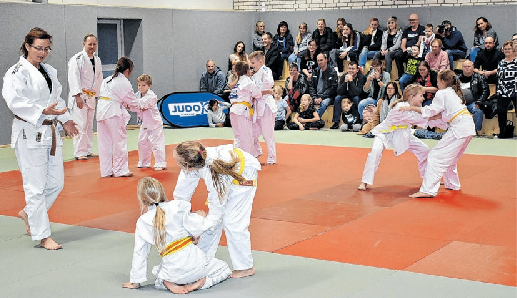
pixel 200 151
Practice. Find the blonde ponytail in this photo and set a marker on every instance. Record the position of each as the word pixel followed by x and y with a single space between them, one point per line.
pixel 151 192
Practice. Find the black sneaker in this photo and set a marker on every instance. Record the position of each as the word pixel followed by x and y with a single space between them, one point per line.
pixel 335 126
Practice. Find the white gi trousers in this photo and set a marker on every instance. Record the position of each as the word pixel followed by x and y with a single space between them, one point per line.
pixel 265 126
pixel 151 140
pixel 243 132
pixel 43 180
pixel 416 146
pixel 83 142
pixel 112 140
pixel 442 162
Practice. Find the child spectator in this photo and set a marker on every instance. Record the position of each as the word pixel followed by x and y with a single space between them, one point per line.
pixel 151 137
pixel 411 67
pixel 216 116
pixel 350 116
pixel 306 117
pixel 427 39
pixel 283 111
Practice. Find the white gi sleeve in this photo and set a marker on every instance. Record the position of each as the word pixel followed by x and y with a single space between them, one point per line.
pixel 138 272
pixel 74 79
pixel 436 107
pixel 186 185
pixel 195 224
pixel 13 91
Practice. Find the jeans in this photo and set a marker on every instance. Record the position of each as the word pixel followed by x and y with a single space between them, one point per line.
pixel 323 106
pixel 477 114
pixel 366 55
pixel 293 58
pixel 455 55
pixel 400 58
pixel 363 103
pixel 336 118
pixel 404 81
pixel 473 53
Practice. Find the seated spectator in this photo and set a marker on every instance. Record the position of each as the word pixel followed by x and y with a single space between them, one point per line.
pixel 475 91
pixel 296 85
pixel 350 86
pixel 273 57
pixel 260 29
pixel 283 112
pixel 391 94
pixel 506 89
pixel 323 84
pixel 376 80
pixel 350 116
pixel 301 44
pixel 514 39
pixel 410 37
pixel 323 37
pixel 427 39
pixel 306 116
pixel 216 116
pixel 309 60
pixel 437 58
pixel 428 79
pixel 213 79
pixel 487 60
pixel 411 67
pixel 482 30
pixel 391 39
pixel 371 42
pixel 453 42
pixel 338 33
pixel 239 54
pixel 349 50
pixel 283 40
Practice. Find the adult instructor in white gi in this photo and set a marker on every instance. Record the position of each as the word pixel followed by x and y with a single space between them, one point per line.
pixel 84 80
pixel 32 92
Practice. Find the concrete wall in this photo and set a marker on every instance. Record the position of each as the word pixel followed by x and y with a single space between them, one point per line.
pixel 177 4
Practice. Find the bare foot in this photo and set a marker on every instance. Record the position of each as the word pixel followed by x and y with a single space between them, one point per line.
pixel 158 169
pixel 49 244
pixel 131 285
pixel 421 195
pixel 175 288
pixel 196 286
pixel 128 174
pixel 362 186
pixel 243 273
pixel 23 215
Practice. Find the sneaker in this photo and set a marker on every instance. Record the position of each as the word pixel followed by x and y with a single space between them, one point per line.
pixel 335 126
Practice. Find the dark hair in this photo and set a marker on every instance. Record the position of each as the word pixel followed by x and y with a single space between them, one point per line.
pixel 241 68
pixel 353 62
pixel 446 22
pixel 488 25
pixel 282 23
pixel 89 35
pixel 351 36
pixel 268 35
pixel 426 65
pixel 123 64
pixel 35 33
pixel 243 46
pixel 396 94
pixel 293 64
pixel 212 103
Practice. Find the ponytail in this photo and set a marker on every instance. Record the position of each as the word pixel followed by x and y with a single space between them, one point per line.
pixel 123 64
pixel 451 80
pixel 151 192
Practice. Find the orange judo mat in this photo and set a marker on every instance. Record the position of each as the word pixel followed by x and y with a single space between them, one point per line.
pixel 308 205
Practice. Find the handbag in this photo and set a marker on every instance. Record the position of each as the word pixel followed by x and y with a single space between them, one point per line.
pixel 507 130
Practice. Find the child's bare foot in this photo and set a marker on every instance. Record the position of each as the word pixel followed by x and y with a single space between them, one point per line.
pixel 159 169
pixel 49 244
pixel 175 288
pixel 131 285
pixel 421 195
pixel 23 215
pixel 243 273
pixel 196 286
pixel 362 186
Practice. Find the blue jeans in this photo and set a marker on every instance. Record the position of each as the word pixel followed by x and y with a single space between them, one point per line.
pixel 293 58
pixel 404 81
pixel 337 106
pixel 473 53
pixel 323 106
pixel 366 55
pixel 455 55
pixel 477 114
pixel 363 103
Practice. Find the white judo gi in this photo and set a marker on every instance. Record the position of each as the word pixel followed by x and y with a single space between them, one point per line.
pixel 83 80
pixel 26 93
pixel 112 117
pixel 184 266
pixel 232 212
pixel 151 137
pixel 264 116
pixel 395 132
pixel 443 158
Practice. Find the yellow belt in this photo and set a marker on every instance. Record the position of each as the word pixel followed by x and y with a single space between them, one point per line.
pixel 395 127
pixel 89 93
pixel 176 246
pixel 246 104
pixel 462 112
pixel 105 98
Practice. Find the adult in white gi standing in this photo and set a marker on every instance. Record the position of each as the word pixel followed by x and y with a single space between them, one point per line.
pixel 443 158
pixel 84 81
pixel 230 176
pixel 32 92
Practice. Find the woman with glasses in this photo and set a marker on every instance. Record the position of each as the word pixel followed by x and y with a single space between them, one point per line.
pixel 506 85
pixel 33 93
pixel 301 43
pixel 482 30
pixel 391 39
pixel 260 29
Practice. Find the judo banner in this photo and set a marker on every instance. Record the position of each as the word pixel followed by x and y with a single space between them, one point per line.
pixel 186 109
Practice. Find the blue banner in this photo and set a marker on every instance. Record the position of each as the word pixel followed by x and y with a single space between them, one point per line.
pixel 186 109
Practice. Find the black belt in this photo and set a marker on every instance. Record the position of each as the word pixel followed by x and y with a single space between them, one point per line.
pixel 52 124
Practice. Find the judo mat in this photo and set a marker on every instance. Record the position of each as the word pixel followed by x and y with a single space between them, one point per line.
pixel 312 232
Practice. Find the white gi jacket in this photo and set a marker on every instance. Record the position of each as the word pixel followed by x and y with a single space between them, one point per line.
pixel 81 76
pixel 244 91
pixel 114 96
pixel 395 130
pixel 447 102
pixel 263 78
pixel 179 223
pixel 26 93
pixel 148 111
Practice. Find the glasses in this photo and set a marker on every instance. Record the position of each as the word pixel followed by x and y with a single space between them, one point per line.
pixel 412 20
pixel 391 22
pixel 488 42
pixel 302 28
pixel 40 49
pixel 390 88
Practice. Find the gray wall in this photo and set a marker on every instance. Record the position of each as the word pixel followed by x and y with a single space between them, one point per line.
pixel 173 45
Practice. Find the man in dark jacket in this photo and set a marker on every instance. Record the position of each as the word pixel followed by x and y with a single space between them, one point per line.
pixel 370 43
pixel 487 60
pixel 323 84
pixel 273 56
pixel 350 86
pixel 453 42
pixel 475 91
pixel 213 79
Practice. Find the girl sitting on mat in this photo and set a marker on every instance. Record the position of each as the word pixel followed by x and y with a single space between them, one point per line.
pixel 171 227
pixel 230 176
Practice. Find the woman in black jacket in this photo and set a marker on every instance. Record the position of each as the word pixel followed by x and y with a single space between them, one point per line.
pixel 323 37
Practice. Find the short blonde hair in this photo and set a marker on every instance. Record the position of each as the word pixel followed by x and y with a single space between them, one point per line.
pixel 276 87
pixel 146 79
pixel 259 55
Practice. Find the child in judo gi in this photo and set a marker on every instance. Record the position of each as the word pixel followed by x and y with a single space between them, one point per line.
pixel 230 176
pixel 443 158
pixel 395 132
pixel 170 227
pixel 151 137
